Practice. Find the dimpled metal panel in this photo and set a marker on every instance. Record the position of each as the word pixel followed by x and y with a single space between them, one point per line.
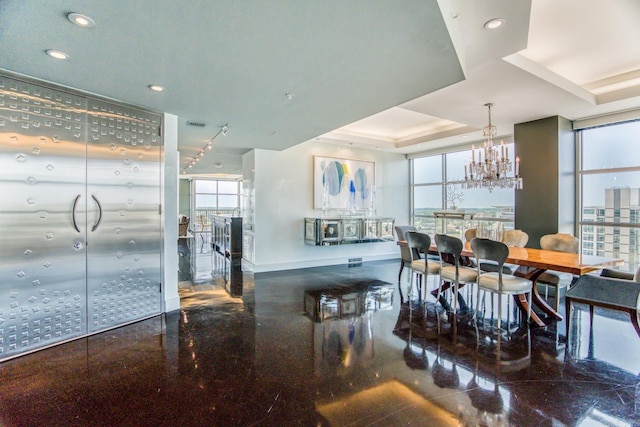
pixel 42 175
pixel 79 214
pixel 123 184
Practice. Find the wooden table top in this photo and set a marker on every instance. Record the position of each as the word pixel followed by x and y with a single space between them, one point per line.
pixel 577 264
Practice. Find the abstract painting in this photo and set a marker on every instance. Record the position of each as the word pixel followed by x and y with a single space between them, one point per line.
pixel 343 184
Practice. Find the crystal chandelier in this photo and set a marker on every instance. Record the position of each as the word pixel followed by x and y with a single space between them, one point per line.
pixel 492 165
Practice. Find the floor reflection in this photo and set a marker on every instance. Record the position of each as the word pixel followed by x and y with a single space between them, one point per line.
pixel 330 346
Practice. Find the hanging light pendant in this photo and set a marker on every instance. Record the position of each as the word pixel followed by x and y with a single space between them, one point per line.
pixel 492 167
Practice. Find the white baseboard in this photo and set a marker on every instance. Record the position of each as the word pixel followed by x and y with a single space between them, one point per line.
pixel 171 304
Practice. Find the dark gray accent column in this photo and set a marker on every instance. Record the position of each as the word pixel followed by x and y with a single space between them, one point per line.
pixel 546 204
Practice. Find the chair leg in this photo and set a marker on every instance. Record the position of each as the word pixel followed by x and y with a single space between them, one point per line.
pixel 477 308
pixel 425 287
pixel 455 298
pixel 567 316
pixel 635 315
pixel 508 316
pixel 499 311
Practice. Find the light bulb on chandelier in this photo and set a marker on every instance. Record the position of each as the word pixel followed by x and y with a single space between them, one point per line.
pixel 493 165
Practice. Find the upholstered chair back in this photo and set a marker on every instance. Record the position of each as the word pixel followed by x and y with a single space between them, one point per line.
pixel 517 238
pixel 560 242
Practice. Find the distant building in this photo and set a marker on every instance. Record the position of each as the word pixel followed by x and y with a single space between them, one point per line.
pixel 622 206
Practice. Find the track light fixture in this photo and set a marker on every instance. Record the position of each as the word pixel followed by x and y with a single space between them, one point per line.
pixel 209 145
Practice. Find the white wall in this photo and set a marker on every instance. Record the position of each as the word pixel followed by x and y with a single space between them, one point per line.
pixel 170 211
pixel 248 207
pixel 283 183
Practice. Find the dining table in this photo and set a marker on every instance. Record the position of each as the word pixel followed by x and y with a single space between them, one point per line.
pixel 533 262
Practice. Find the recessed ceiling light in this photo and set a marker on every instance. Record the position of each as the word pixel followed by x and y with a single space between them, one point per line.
pixel 156 88
pixel 81 20
pixel 57 54
pixel 494 23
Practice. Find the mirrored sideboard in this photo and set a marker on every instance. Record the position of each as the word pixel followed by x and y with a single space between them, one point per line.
pixel 347 230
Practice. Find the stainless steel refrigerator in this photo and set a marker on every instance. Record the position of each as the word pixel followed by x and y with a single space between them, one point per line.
pixel 80 217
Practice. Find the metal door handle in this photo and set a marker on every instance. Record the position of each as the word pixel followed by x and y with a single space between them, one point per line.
pixel 73 213
pixel 95 226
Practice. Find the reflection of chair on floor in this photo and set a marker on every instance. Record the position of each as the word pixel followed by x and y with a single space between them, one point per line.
pixel 444 377
pixel 415 359
pixel 486 400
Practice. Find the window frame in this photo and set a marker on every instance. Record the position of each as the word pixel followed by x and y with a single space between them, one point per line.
pixel 598 222
pixel 508 223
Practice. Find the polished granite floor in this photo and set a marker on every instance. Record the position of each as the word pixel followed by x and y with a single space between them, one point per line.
pixel 334 346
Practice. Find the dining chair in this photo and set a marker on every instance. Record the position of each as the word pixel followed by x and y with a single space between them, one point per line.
pixel 470 234
pixel 560 242
pixel 451 269
pixel 498 282
pixel 419 244
pixel 515 238
pixel 613 290
pixel 405 252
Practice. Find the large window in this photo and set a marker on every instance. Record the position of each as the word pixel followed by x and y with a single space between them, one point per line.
pixel 610 191
pixel 216 197
pixel 210 198
pixel 436 185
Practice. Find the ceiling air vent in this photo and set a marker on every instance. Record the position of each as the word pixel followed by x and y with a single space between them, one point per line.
pixel 196 124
